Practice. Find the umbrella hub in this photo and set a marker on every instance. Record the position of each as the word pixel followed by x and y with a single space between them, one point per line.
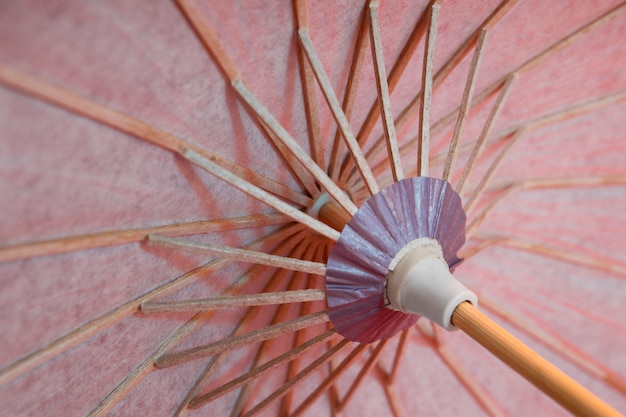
pixel 415 226
pixel 329 212
pixel 419 282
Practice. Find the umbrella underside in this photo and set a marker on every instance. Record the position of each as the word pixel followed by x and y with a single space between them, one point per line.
pixel 159 165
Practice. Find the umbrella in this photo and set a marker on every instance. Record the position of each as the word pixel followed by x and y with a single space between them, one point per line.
pixel 538 86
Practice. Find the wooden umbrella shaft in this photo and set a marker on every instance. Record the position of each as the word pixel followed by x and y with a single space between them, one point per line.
pixel 541 373
pixel 526 362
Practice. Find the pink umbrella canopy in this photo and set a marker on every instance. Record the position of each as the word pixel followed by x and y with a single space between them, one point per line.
pixel 111 114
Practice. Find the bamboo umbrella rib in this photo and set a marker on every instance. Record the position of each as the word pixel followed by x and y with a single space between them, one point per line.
pixel 309 96
pixel 320 361
pixel 358 57
pixel 468 93
pixel 583 181
pixel 480 188
pixel 478 146
pixel 545 54
pixel 260 370
pixel 333 392
pixel 533 123
pixel 280 314
pixel 542 183
pixel 301 335
pixel 394 77
pixel 575 356
pixel 207 36
pixel 397 70
pixel 234 342
pixel 390 393
pixel 278 276
pixel 298 281
pixel 393 153
pixel 249 300
pixel 345 363
pixel 88 329
pixel 336 110
pixel 145 367
pixel 301 173
pixel 139 372
pixel 423 144
pixel 500 11
pixel 565 113
pixel 260 194
pixel 363 372
pixel 125 236
pixel 122 122
pixel 237 254
pixel 400 349
pixel 546 119
pixel 477 391
pixel 477 221
pixel 571 255
pixel 293 146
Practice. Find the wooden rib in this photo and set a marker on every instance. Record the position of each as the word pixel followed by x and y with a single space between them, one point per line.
pixel 238 254
pixel 248 300
pixel 207 36
pixel 211 43
pixel 400 349
pixel 235 342
pixel 295 148
pixel 280 315
pixel 477 221
pixel 354 76
pixel 558 345
pixel 573 255
pixel 135 376
pixel 438 79
pixel 308 92
pixel 279 276
pixel 390 393
pixel 145 367
pixel 138 373
pixel 475 389
pixel 125 236
pixel 495 164
pixel 301 174
pixel 122 122
pixel 478 146
pixel 538 59
pixel 569 182
pixel 94 326
pixel 365 370
pixel 468 93
pixel 337 111
pixel 260 370
pixel 289 385
pixel 340 369
pixel 394 77
pixel 301 335
pixel 393 153
pixel 509 188
pixel 260 194
pixel 297 281
pixel 423 144
pixel 546 119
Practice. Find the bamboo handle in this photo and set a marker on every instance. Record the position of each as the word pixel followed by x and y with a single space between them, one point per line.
pixel 541 373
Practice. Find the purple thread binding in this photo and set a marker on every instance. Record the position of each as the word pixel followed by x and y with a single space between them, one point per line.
pixel 357 267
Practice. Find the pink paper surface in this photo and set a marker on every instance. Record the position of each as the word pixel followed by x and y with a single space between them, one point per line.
pixel 63 175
